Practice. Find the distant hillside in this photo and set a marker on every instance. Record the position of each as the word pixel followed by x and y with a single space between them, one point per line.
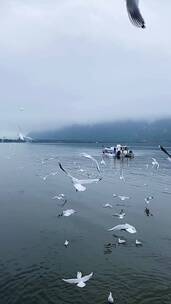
pixel 123 131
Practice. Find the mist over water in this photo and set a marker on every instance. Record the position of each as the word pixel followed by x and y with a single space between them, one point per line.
pixel 33 258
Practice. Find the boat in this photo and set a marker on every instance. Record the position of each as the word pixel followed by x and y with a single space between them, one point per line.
pixel 118 152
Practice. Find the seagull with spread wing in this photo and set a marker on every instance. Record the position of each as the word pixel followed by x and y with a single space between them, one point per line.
pixel 78 183
pixel 125 227
pixel 80 280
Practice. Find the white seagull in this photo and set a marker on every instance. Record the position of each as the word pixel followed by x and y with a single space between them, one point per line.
pixel 68 212
pixel 80 280
pixel 126 227
pixel 155 163
pixel 123 198
pixel 93 159
pixel 138 243
pixel 107 206
pixel 59 197
pixel 148 199
pixel 66 243
pixel 110 298
pixel 134 13
pixel 121 241
pixel 78 183
pixel 120 215
pixel 103 162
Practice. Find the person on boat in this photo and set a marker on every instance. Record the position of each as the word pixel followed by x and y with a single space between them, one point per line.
pixel 118 154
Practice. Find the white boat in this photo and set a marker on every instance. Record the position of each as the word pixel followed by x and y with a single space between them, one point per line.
pixel 119 152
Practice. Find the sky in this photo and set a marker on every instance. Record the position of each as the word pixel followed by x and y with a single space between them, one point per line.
pixel 82 61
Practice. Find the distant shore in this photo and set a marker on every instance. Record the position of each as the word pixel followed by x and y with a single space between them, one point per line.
pixel 69 141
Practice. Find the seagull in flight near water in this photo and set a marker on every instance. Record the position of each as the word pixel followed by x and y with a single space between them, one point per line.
pixel 78 183
pixel 134 13
pixel 80 280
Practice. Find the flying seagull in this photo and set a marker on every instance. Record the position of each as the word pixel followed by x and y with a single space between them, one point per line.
pixel 78 183
pixel 107 206
pixel 80 280
pixel 93 159
pixel 126 227
pixel 120 215
pixel 134 13
pixel 155 163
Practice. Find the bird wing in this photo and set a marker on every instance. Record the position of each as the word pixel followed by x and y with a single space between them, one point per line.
pixel 89 180
pixel 60 166
pixel 79 187
pixel 134 13
pixel 87 277
pixel 79 275
pixel 93 159
pixel 165 151
pixel 67 173
pixel 71 281
pixel 116 214
pixel 68 212
pixel 129 228
pixel 118 227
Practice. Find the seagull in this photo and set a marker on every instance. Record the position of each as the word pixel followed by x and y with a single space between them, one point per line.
pixel 148 199
pixel 93 159
pixel 122 178
pixel 110 298
pixel 138 243
pixel 126 227
pixel 80 280
pixel 134 13
pixel 78 183
pixel 66 243
pixel 155 163
pixel 81 170
pixel 107 206
pixel 68 212
pixel 120 215
pixel 123 198
pixel 120 241
pixel 103 162
pixel 59 197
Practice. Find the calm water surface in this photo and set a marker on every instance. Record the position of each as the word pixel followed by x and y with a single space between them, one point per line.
pixel 33 259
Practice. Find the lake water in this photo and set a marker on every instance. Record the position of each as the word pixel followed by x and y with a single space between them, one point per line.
pixel 33 258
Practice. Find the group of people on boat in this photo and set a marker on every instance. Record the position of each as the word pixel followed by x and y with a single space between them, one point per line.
pixel 119 152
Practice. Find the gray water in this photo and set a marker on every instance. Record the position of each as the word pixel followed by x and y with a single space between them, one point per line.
pixel 33 258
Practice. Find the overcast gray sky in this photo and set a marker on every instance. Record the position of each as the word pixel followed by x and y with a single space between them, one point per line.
pixel 73 61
